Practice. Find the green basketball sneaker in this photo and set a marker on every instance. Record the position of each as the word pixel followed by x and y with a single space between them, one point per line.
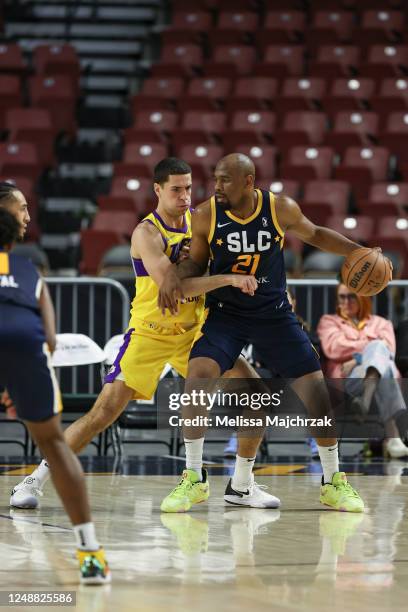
pixel 340 495
pixel 189 491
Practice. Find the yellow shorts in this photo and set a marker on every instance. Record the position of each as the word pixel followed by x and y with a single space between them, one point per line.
pixel 145 352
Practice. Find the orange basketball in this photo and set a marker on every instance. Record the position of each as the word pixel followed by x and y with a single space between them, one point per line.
pixel 366 271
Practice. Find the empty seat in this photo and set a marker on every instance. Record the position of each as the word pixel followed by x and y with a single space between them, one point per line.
pixel 198 128
pixel 55 94
pixel 115 203
pixel 202 159
pixel 385 61
pixel 353 129
pixel 386 199
pixel 301 128
pixel 233 28
pixel 330 27
pixel 231 60
pixel 157 89
pixel 392 96
pixel 264 158
pixel 19 159
pixel 159 122
pixel 33 125
pixel 308 163
pixel 332 194
pixel 382 26
pixel 187 55
pixel 186 27
pixel 358 228
pixel 281 61
pixel 300 94
pixel 139 189
pixel 94 243
pixel 205 94
pixel 11 59
pixel 123 221
pixel 348 94
pixel 392 235
pixel 395 135
pixel 282 186
pixel 335 61
pixel 57 59
pixel 252 93
pixel 144 155
pixel 249 128
pixel 281 28
pixel 10 88
pixel 362 166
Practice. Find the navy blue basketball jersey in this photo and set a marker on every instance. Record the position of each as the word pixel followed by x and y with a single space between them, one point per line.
pixel 20 283
pixel 248 246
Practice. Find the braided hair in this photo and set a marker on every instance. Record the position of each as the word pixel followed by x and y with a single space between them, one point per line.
pixel 9 228
pixel 6 192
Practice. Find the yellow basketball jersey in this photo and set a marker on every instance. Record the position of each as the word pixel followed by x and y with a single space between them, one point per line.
pixel 144 306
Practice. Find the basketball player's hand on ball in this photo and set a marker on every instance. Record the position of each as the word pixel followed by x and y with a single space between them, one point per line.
pixel 247 284
pixel 169 293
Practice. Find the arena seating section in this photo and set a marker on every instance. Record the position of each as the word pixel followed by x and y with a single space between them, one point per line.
pixel 315 92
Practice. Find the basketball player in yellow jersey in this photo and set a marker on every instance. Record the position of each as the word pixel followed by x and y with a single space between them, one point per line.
pixel 152 339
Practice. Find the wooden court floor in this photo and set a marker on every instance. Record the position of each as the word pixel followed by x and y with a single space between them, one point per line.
pixel 218 558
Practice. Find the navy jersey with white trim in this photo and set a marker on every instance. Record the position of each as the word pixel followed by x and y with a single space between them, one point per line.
pixel 248 246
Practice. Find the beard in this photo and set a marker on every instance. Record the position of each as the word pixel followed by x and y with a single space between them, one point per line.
pixel 226 204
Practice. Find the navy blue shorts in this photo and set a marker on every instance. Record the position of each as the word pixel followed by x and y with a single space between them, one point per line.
pixel 281 342
pixel 30 381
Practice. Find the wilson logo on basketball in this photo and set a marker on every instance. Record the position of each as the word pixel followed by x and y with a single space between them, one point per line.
pixel 358 275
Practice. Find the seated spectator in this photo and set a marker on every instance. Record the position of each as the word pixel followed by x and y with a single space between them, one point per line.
pixel 360 346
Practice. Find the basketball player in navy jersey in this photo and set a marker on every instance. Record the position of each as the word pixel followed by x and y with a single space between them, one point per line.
pixel 241 229
pixel 27 338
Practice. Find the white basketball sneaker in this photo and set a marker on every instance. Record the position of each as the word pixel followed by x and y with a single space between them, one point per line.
pixel 26 494
pixel 254 497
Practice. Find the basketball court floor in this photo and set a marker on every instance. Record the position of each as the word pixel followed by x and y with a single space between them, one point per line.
pixel 302 557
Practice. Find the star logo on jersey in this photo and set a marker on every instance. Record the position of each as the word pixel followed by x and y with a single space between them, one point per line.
pixel 277 238
pixel 219 242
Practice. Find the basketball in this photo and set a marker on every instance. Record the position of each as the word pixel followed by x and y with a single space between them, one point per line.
pixel 366 271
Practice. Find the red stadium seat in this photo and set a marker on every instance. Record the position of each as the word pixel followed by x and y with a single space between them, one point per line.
pixel 301 128
pixel 300 94
pixel 19 159
pixel 123 221
pixel 331 195
pixel 10 88
pixel 335 61
pixel 280 62
pixel 357 228
pixel 158 89
pixel 328 27
pixel 233 28
pixel 202 159
pixel 147 155
pixel 362 166
pixel 198 128
pixel 381 26
pixel 282 186
pixel 348 94
pixel 308 163
pixel 264 158
pixel 94 243
pixel 249 128
pixel 353 129
pixel 58 59
pixel 252 93
pixel 33 125
pixel 187 55
pixel 205 94
pixel 186 27
pixel 56 95
pixel 159 122
pixel 139 189
pixel 385 61
pixel 392 235
pixel 122 203
pixel 281 28
pixel 392 96
pixel 395 135
pixel 11 59
pixel 386 199
pixel 231 60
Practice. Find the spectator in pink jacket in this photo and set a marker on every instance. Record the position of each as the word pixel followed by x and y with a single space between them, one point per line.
pixel 360 346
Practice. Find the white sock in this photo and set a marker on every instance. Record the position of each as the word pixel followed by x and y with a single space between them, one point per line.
pixel 329 457
pixel 194 455
pixel 42 473
pixel 85 537
pixel 242 473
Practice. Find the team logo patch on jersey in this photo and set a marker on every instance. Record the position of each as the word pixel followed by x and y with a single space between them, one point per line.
pixel 264 222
